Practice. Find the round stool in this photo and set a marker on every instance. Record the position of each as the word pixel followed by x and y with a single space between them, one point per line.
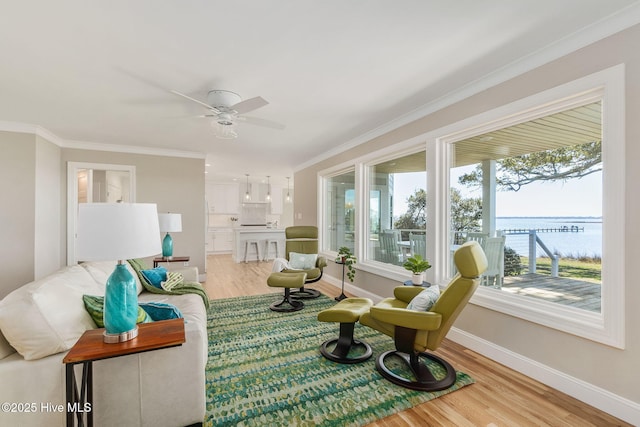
pixel 266 249
pixel 248 243
pixel 347 312
pixel 286 281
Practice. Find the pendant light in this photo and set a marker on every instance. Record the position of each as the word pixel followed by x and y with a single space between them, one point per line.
pixel 247 195
pixel 268 198
pixel 288 193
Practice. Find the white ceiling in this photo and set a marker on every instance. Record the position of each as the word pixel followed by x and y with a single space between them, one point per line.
pixel 92 71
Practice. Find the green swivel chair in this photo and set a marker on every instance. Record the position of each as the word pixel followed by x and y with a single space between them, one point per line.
pixel 303 239
pixel 415 332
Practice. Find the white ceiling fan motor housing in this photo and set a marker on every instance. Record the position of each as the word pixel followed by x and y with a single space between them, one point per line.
pixel 223 99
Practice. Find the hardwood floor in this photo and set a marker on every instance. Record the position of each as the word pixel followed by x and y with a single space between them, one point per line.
pixel 500 396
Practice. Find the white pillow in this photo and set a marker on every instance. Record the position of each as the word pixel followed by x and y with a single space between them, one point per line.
pixel 5 347
pixel 425 299
pixel 302 261
pixel 48 316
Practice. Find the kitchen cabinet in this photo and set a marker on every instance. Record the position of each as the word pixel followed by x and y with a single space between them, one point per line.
pixel 223 198
pixel 220 241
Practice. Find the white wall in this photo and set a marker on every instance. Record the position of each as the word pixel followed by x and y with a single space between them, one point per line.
pixel 175 184
pixel 47 225
pixel 17 209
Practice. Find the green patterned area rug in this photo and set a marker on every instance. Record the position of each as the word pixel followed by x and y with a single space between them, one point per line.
pixel 265 369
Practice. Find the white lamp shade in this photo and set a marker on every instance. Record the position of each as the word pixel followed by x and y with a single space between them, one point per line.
pixel 117 231
pixel 170 222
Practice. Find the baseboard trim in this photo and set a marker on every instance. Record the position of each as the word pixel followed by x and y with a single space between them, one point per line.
pixel 597 397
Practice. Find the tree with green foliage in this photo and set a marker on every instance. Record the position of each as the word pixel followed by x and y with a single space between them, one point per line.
pixel 561 164
pixel 466 213
pixel 416 216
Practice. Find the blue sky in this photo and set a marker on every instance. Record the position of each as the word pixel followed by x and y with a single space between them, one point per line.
pixel 578 197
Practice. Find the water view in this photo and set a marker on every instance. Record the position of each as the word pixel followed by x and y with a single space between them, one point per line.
pixel 568 236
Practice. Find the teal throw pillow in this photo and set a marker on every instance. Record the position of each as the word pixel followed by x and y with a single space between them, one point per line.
pixel 425 299
pixel 155 276
pixel 302 261
pixel 161 310
pixel 95 307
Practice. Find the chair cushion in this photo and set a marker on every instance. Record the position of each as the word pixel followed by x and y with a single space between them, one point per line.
pixel 300 261
pixel 470 259
pixel 287 280
pixel 425 299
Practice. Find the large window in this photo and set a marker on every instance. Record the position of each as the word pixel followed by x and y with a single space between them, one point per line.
pixel 531 195
pixel 340 212
pixel 539 183
pixel 397 214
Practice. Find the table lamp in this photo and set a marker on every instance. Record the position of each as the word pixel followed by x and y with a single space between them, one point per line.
pixel 118 231
pixel 169 222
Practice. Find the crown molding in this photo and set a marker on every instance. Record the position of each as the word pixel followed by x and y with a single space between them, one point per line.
pixel 132 149
pixel 590 34
pixel 95 146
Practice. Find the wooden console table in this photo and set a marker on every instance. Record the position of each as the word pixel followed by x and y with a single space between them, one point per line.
pixel 90 347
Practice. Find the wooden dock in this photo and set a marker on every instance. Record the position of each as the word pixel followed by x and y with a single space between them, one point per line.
pixel 561 290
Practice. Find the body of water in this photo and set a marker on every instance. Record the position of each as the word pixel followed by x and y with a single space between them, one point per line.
pixel 587 241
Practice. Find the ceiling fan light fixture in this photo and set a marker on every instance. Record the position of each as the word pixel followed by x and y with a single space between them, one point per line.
pixel 225 131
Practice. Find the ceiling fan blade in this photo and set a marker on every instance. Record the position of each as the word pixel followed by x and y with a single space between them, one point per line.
pixel 249 105
pixel 195 100
pixel 261 122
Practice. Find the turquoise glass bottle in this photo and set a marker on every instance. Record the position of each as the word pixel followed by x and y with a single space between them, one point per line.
pixel 120 301
pixel 167 246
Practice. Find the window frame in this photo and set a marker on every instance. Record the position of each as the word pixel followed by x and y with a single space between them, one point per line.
pixel 606 327
pixel 322 205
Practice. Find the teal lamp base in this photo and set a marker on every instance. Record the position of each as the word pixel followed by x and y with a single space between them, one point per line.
pixel 167 247
pixel 120 306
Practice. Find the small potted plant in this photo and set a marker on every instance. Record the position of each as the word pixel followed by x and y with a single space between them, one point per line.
pixel 346 257
pixel 417 265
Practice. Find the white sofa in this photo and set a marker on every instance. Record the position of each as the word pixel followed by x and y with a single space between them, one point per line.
pixel 41 320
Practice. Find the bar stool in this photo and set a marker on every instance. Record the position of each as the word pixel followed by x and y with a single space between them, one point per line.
pixel 266 249
pixel 247 243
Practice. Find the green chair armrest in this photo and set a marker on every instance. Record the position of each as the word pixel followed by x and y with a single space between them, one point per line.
pixel 321 262
pixel 420 320
pixel 407 293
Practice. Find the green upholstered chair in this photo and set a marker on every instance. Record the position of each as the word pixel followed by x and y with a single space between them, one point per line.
pixel 304 239
pixel 415 332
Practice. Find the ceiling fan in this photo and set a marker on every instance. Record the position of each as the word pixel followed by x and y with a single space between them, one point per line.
pixel 227 108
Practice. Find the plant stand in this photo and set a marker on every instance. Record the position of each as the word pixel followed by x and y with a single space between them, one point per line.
pixel 342 295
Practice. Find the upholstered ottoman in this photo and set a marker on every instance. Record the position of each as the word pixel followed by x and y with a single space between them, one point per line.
pixel 287 281
pixel 347 312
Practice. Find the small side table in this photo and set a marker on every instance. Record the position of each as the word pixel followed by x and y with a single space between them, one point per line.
pixel 342 295
pixel 158 260
pixel 410 283
pixel 90 347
